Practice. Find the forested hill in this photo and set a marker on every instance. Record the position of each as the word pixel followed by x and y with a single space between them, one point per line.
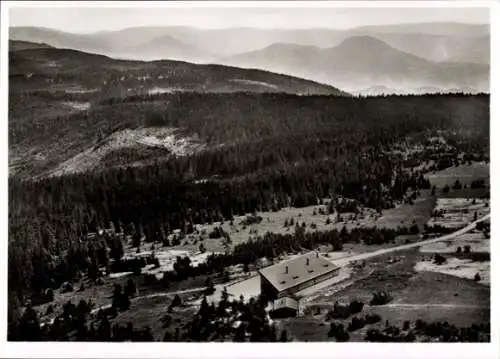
pixel 56 98
pixel 112 133
pixel 43 68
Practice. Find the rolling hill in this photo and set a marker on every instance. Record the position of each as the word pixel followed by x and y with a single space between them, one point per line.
pixel 49 87
pixel 15 45
pixel 364 61
pixel 32 68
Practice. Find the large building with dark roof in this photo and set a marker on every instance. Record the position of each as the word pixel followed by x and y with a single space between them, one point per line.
pixel 287 278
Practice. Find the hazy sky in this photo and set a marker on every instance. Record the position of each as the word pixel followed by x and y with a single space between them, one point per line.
pixel 92 19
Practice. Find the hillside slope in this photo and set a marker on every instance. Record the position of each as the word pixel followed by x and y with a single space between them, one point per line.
pixel 15 45
pixel 267 129
pixel 50 86
pixel 35 69
pixel 363 61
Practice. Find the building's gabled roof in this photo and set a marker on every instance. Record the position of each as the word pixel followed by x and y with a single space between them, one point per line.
pixel 295 271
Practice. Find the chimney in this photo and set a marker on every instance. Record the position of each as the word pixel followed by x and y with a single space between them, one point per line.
pixel 307 261
pixel 286 269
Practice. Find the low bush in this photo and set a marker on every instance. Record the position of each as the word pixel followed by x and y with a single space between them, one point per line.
pixel 338 332
pixel 355 324
pixel 380 298
pixel 356 306
pixel 439 259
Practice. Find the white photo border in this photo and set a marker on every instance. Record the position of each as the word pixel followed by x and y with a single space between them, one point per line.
pixel 254 350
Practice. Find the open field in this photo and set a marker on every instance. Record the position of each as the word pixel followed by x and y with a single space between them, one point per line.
pixel 457 212
pixel 386 272
pixel 404 215
pixel 315 328
pixel 464 173
pixel 476 241
pixel 149 312
pixel 461 268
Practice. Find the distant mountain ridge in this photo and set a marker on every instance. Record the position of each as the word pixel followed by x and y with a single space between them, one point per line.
pixel 361 62
pixel 433 41
pixel 401 56
pixel 166 47
pixel 430 28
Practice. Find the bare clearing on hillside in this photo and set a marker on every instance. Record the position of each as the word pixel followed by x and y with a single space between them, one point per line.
pixel 254 83
pixel 160 90
pixel 164 138
pixel 79 106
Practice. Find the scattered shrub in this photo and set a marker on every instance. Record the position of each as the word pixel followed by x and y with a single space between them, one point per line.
pixel 338 332
pixel 251 219
pixel 380 298
pixel 439 259
pixel 356 306
pixel 355 324
pixel 414 229
pixel 340 311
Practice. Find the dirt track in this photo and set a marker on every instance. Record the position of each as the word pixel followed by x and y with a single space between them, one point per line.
pixel 345 260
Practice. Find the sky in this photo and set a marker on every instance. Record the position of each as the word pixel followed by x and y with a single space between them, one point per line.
pixel 80 19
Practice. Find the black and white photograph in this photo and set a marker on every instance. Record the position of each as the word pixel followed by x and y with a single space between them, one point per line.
pixel 180 172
